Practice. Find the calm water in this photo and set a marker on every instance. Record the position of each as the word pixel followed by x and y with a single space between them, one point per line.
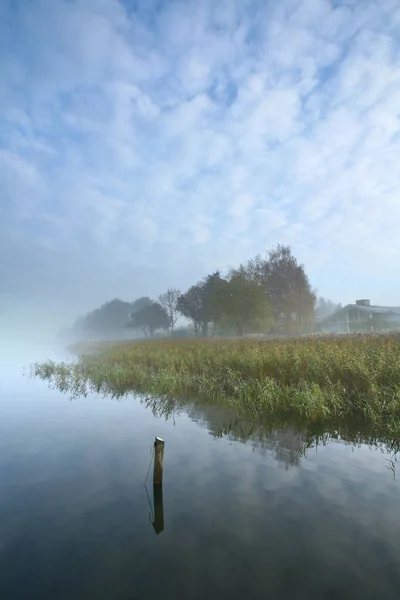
pixel 268 518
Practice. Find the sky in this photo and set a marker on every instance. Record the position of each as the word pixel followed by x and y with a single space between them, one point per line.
pixel 147 143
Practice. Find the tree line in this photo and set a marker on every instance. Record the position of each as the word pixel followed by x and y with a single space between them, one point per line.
pixel 271 294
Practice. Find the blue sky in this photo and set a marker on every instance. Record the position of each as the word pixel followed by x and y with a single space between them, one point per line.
pixel 144 144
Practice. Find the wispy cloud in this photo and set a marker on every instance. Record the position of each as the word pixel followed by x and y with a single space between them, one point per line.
pixel 182 137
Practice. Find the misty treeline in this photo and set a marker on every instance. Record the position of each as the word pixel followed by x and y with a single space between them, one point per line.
pixel 325 308
pixel 271 294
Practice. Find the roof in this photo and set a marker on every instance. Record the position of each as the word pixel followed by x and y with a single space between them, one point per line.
pixel 363 308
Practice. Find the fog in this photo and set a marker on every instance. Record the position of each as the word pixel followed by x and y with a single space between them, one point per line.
pixel 147 148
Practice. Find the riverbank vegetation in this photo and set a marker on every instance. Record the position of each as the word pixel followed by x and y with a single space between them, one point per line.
pixel 314 379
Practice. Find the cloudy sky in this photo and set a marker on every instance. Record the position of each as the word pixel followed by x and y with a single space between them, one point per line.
pixel 145 143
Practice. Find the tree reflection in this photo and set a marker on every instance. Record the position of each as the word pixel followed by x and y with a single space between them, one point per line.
pixel 286 439
pixel 287 445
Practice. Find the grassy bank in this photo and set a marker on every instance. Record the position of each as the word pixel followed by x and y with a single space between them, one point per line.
pixel 314 379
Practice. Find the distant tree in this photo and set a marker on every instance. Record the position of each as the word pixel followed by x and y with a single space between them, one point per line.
pixel 148 319
pixel 245 303
pixel 237 301
pixel 276 285
pixel 191 305
pixel 107 320
pixel 140 303
pixel 201 304
pixel 325 308
pixel 213 300
pixel 169 302
pixel 287 287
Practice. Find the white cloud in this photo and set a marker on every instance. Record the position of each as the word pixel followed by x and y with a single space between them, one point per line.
pixel 206 134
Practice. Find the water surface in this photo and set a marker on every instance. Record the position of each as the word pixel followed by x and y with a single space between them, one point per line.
pixel 276 516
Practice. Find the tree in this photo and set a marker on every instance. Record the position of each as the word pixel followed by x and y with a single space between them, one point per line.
pixel 325 308
pixel 191 305
pixel 245 303
pixel 140 303
pixel 213 300
pixel 169 302
pixel 201 304
pixel 287 287
pixel 108 320
pixel 149 318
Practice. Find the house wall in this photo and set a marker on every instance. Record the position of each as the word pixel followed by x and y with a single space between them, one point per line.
pixel 390 318
pixel 386 321
pixel 354 320
pixel 336 324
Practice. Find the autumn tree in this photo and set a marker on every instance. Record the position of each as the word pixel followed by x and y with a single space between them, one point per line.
pixel 245 303
pixel 287 287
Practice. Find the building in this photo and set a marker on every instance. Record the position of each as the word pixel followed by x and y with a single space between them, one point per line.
pixel 361 316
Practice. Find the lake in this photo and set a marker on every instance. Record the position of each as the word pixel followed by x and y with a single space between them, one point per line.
pixel 247 512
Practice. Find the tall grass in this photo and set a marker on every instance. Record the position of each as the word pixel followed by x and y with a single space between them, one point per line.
pixel 314 379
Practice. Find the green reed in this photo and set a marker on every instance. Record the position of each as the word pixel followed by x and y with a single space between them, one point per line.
pixel 316 379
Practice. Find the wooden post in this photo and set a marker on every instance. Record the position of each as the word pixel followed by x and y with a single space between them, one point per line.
pixel 158 461
pixel 158 523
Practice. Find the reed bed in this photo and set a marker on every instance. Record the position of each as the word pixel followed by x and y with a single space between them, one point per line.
pixel 314 378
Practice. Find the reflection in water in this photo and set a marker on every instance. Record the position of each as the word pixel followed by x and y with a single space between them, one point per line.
pixel 392 463
pixel 288 441
pixel 74 515
pixel 287 444
pixel 158 522
pixel 156 515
